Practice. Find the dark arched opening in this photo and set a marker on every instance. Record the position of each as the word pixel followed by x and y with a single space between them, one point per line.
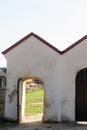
pixel 81 95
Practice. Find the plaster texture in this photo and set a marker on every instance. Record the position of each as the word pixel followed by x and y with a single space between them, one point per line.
pixel 32 58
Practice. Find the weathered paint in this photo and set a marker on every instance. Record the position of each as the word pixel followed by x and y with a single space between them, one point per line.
pixel 34 59
pixel 12 95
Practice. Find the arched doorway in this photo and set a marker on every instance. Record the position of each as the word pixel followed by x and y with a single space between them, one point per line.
pixel 30 99
pixel 81 95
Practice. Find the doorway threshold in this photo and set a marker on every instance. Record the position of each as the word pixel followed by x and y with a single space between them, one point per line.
pixel 82 122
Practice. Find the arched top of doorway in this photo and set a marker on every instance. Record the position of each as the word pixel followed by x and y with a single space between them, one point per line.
pixel 25 79
pixel 82 74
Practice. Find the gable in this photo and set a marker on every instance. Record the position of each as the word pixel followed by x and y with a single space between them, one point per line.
pixel 44 42
pixel 28 36
pixel 74 44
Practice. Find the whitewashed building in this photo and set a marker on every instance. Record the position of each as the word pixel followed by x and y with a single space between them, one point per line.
pixel 64 74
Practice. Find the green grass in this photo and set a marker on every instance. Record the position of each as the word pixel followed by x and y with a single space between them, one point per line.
pixel 33 109
pixel 34 102
pixel 34 96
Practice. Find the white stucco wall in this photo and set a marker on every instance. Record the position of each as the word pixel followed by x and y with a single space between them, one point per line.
pixel 73 61
pixel 34 59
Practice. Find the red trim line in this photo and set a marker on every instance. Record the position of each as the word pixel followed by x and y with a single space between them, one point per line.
pixel 46 43
pixel 28 36
pixel 75 44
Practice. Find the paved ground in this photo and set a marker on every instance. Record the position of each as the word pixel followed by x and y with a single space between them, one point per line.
pixel 33 118
pixel 34 123
pixel 45 126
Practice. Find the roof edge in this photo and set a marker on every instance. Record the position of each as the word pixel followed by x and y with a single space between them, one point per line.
pixel 74 44
pixel 46 43
pixel 28 36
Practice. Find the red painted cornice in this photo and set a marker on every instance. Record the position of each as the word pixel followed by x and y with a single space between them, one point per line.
pixel 46 43
pixel 28 36
pixel 74 44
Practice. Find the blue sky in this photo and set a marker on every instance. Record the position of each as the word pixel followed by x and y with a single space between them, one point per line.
pixel 60 22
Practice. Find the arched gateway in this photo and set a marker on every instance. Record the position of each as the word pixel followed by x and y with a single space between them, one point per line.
pixel 81 95
pixel 30 99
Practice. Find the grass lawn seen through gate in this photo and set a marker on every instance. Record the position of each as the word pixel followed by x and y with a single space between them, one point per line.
pixel 34 102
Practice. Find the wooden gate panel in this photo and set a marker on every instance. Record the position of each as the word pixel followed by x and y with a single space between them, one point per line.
pixel 81 100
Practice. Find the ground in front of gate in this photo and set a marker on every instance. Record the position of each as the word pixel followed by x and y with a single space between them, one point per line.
pixel 45 126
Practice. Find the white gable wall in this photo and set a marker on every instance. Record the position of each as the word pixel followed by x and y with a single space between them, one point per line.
pixel 73 61
pixel 34 59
